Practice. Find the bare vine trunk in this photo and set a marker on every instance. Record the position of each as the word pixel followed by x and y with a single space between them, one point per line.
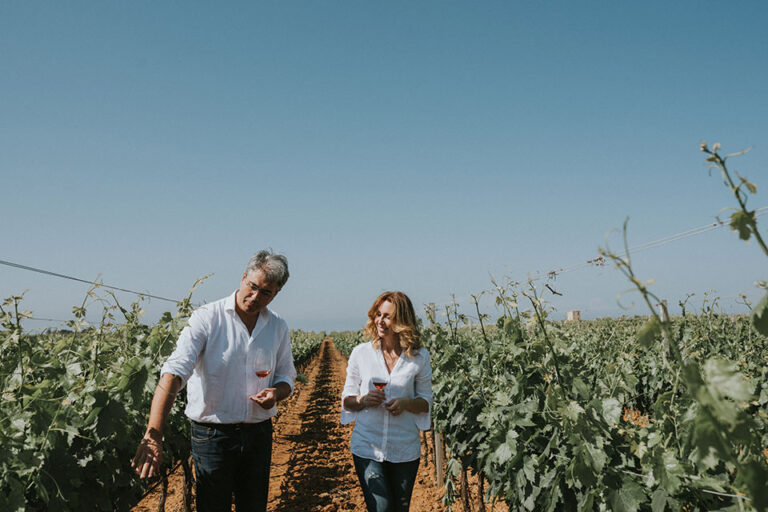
pixel 164 486
pixel 465 490
pixel 186 464
pixel 481 491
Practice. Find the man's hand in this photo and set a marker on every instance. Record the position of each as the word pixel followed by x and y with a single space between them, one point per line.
pixel 148 456
pixel 265 398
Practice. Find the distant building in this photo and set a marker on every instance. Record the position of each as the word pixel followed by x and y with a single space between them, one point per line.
pixel 573 316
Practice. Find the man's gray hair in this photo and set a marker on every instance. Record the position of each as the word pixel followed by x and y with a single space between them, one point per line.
pixel 274 266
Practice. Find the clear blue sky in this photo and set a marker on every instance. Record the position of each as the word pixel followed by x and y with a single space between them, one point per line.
pixel 418 146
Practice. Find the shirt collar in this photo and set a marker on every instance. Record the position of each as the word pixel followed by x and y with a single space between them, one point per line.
pixel 229 306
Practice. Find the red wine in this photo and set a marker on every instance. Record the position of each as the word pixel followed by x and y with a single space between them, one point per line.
pixel 262 373
pixel 380 385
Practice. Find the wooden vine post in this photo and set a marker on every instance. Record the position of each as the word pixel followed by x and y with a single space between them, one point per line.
pixel 664 317
pixel 437 441
pixel 663 313
pixel 481 491
pixel 437 437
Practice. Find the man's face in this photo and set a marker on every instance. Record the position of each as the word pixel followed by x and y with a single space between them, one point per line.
pixel 255 292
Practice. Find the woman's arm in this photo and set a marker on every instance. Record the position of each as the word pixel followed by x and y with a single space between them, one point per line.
pixel 356 403
pixel 397 406
pixel 416 405
pixel 420 403
pixel 353 403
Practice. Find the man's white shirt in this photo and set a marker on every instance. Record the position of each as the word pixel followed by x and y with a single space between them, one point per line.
pixel 217 360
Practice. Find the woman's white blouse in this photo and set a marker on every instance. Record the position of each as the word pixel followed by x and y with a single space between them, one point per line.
pixel 378 435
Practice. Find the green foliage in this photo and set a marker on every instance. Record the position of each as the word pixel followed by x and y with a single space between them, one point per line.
pixel 304 345
pixel 619 431
pixel 345 341
pixel 75 404
pixel 539 410
pixel 74 407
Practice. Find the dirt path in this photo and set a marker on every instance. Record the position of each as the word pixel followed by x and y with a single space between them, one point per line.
pixel 311 458
pixel 311 464
pixel 312 467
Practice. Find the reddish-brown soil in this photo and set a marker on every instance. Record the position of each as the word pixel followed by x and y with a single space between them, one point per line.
pixel 311 464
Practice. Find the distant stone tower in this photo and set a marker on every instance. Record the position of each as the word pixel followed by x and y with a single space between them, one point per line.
pixel 574 316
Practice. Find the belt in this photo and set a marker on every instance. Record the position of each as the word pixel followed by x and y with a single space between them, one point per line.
pixel 230 426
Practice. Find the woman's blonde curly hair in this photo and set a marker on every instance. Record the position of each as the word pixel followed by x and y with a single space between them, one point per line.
pixel 404 322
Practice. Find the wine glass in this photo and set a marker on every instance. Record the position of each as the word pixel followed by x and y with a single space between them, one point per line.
pixel 262 372
pixel 261 365
pixel 380 382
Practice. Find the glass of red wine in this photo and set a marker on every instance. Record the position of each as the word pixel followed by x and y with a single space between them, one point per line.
pixel 262 373
pixel 380 382
pixel 261 365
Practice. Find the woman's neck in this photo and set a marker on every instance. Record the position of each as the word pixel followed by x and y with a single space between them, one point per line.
pixel 390 345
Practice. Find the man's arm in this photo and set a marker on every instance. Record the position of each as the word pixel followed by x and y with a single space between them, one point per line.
pixel 149 454
pixel 282 391
pixel 284 368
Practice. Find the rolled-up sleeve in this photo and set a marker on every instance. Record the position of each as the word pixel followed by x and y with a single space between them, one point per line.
pixel 191 344
pixel 285 371
pixel 351 386
pixel 422 385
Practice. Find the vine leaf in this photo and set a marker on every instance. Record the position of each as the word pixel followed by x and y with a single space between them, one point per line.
pixel 611 411
pixel 750 186
pixel 628 498
pixel 503 453
pixel 669 472
pixel 724 380
pixel 15 501
pixel 648 333
pixel 659 501
pixel 760 316
pixel 755 474
pixel 741 221
pixel 572 411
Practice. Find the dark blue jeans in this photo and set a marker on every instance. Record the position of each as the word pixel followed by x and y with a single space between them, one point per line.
pixel 232 459
pixel 387 486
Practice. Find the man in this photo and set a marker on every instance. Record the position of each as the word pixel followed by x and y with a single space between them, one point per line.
pixel 218 356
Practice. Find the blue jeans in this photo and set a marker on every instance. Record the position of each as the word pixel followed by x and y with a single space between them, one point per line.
pixel 232 459
pixel 387 486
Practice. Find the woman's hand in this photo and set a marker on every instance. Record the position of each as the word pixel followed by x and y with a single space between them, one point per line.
pixel 397 406
pixel 374 398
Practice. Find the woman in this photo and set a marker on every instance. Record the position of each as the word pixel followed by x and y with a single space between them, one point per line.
pixel 388 393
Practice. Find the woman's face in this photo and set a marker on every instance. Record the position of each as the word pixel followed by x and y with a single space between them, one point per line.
pixel 383 319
